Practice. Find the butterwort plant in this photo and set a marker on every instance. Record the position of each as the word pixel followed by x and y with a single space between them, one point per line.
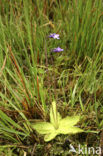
pixel 57 125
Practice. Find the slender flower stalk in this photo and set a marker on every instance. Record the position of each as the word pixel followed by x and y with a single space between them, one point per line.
pixel 58 49
pixel 54 35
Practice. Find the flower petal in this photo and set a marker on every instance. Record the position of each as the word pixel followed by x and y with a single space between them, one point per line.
pixel 54 35
pixel 58 49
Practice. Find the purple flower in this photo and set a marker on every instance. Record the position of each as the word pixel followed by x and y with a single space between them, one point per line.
pixel 58 49
pixel 55 36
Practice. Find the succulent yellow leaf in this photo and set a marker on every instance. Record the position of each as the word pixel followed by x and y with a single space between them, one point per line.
pixel 43 127
pixel 69 130
pixel 71 121
pixel 59 117
pixel 53 113
pixel 50 136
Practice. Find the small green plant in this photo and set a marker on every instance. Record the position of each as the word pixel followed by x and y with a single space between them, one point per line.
pixel 57 125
